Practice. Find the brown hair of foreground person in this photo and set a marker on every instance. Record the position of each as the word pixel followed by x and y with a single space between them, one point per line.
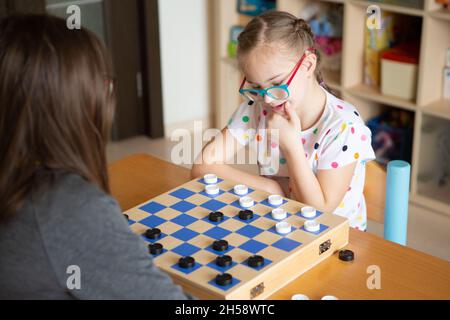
pixel 56 106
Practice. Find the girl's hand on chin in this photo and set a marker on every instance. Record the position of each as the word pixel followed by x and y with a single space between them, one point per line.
pixel 288 126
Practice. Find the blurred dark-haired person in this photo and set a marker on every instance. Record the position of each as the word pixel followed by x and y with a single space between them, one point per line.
pixel 57 219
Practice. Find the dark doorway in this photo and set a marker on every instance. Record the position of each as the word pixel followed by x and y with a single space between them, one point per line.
pixel 130 30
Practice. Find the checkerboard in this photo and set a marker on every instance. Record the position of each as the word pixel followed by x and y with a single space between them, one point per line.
pixel 182 215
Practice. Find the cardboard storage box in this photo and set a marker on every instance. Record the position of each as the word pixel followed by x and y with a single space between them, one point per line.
pixel 399 67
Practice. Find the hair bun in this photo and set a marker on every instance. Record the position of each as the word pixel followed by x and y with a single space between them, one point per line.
pixel 302 25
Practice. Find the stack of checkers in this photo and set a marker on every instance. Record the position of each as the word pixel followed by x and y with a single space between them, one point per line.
pixel 283 227
pixel 212 189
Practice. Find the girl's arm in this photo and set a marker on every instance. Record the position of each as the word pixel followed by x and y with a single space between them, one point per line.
pixel 215 158
pixel 324 192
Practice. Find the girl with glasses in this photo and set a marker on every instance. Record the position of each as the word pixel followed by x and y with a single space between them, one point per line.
pixel 311 146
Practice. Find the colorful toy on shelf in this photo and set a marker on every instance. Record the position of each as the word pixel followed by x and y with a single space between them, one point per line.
pixel 329 46
pixel 326 21
pixel 331 52
pixel 233 42
pixel 376 42
pixel 383 38
pixel 392 136
pixel 372 67
pixel 255 7
pixel 444 3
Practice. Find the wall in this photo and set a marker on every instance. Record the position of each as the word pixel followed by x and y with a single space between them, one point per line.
pixel 184 55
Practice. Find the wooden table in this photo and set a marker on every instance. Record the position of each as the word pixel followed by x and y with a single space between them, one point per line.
pixel 405 273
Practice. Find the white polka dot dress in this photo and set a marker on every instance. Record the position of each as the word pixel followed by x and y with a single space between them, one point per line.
pixel 338 139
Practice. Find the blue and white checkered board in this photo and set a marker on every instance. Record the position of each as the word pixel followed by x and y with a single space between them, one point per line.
pixel 182 216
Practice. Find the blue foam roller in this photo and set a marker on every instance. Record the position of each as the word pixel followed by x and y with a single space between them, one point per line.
pixel 397 199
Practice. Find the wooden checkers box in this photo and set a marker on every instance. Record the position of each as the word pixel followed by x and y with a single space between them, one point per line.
pixel 181 228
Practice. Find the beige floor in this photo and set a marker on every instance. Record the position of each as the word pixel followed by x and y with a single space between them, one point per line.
pixel 428 231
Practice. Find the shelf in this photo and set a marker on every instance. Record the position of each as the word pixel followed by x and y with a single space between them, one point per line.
pixel 440 14
pixel 430 192
pixel 439 109
pixel 335 1
pixel 391 8
pixel 373 94
pixel 428 106
pixel 244 19
pixel 431 203
pixel 231 61
pixel 430 164
pixel 332 79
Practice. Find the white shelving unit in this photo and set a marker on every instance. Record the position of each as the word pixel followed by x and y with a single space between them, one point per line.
pixel 428 107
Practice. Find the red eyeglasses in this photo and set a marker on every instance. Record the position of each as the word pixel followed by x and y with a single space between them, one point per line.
pixel 279 93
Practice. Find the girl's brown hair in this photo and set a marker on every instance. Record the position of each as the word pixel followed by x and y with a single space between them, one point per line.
pixel 279 28
pixel 56 106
